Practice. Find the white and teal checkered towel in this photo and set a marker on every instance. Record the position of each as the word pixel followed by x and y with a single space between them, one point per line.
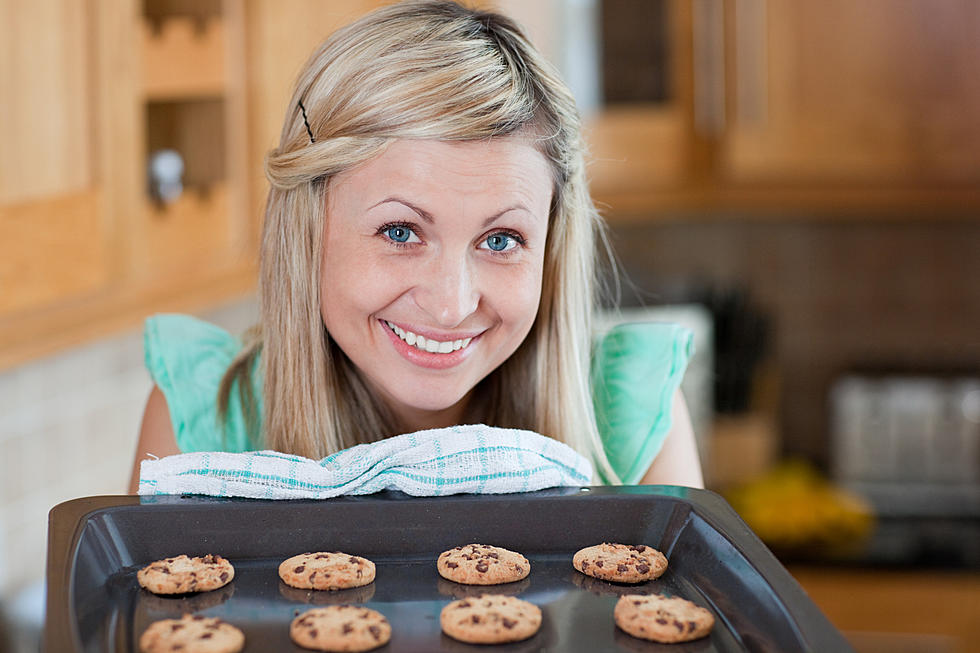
pixel 473 459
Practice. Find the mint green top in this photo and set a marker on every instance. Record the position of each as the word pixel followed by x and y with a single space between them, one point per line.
pixel 636 369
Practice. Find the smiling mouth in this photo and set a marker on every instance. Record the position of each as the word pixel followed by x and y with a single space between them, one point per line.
pixel 428 345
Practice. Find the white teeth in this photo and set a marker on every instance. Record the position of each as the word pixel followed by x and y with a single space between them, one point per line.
pixel 431 346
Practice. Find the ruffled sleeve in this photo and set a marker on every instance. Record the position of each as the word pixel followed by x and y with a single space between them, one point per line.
pixel 636 369
pixel 187 358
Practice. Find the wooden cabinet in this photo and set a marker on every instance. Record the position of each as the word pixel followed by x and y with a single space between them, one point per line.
pixel 53 236
pixel 90 89
pixel 799 105
pixel 870 92
pixel 898 610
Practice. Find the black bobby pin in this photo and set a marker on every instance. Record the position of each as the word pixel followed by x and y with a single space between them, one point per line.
pixel 305 121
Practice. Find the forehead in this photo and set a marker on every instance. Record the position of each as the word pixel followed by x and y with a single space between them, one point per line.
pixel 508 167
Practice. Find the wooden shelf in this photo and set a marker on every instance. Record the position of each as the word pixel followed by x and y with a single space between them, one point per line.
pixel 781 202
pixel 183 57
pixel 71 323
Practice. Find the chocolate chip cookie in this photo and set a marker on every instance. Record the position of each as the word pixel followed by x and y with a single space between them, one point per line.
pixel 326 571
pixel 340 628
pixel 192 634
pixel 480 564
pixel 181 574
pixel 661 618
pixel 620 563
pixel 490 619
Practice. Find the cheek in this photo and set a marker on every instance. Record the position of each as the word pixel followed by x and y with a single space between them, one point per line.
pixel 517 297
pixel 351 286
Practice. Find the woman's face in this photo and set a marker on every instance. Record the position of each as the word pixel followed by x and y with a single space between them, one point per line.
pixel 432 262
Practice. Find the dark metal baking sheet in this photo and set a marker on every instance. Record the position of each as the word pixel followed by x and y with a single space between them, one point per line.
pixel 97 544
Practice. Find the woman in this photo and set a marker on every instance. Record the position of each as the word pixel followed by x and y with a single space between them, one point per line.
pixel 428 191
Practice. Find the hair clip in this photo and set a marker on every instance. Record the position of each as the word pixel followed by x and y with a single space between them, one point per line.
pixel 305 121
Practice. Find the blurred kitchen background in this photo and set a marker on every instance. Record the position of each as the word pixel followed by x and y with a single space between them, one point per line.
pixel 798 181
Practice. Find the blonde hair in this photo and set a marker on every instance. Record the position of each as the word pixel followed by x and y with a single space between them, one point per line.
pixel 419 70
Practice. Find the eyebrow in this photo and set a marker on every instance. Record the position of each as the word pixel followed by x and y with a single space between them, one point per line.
pixel 427 217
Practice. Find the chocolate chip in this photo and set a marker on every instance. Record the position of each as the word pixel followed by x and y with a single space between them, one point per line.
pixel 598 563
pixel 679 626
pixel 313 633
pixel 353 560
pixel 206 636
pixel 661 621
pixel 622 568
pixel 223 576
pixel 321 556
pixel 519 569
pixel 643 568
pixel 175 627
pixel 482 566
pixel 348 627
pixel 375 631
pixel 451 565
pixel 475 618
pixel 509 623
pixel 464 604
pixel 299 570
pixel 691 626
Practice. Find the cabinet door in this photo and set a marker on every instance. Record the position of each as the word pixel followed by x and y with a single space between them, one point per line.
pixel 53 236
pixel 876 91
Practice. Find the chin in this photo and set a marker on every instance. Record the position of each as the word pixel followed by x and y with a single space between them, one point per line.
pixel 430 400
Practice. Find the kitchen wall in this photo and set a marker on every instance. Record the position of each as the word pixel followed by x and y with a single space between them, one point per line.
pixel 68 428
pixel 886 293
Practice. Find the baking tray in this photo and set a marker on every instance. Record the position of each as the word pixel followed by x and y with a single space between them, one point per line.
pixel 97 544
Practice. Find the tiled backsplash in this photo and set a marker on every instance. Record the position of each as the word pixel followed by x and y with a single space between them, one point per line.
pixel 843 295
pixel 68 428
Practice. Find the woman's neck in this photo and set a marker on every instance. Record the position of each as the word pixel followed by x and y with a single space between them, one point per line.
pixel 413 419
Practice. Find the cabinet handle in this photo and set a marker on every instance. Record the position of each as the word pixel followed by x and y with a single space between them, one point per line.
pixel 708 32
pixel 751 63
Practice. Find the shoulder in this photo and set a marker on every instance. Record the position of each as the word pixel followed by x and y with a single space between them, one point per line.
pixel 187 359
pixel 637 369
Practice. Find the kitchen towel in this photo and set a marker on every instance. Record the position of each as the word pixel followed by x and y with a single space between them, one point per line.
pixel 474 458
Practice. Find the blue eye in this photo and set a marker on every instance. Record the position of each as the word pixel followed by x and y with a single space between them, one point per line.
pixel 500 242
pixel 399 233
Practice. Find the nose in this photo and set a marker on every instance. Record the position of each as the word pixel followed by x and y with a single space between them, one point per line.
pixel 447 293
